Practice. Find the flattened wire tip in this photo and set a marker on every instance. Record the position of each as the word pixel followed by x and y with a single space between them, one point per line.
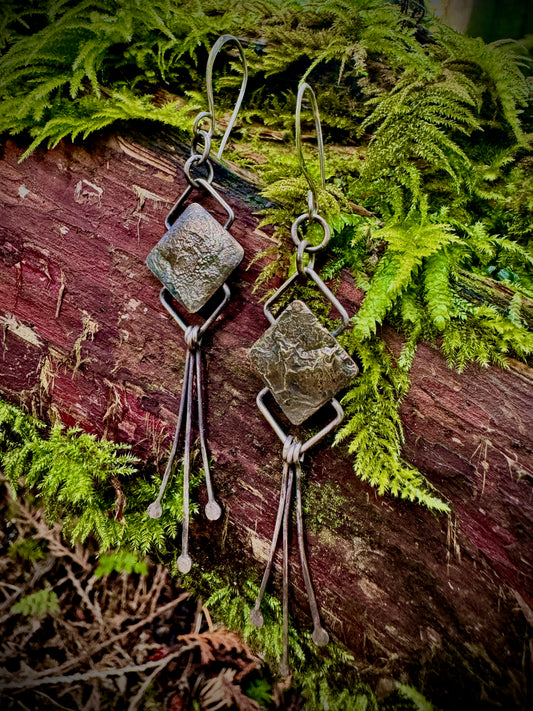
pixel 320 637
pixel 213 511
pixel 155 510
pixel 184 563
pixel 256 618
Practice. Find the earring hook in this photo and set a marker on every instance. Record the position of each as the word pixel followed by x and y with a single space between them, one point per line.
pixel 313 201
pixel 224 39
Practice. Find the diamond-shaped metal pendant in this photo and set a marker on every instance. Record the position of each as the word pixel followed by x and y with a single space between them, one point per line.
pixel 195 257
pixel 301 362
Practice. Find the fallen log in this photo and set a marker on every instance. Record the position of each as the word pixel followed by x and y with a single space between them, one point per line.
pixel 443 603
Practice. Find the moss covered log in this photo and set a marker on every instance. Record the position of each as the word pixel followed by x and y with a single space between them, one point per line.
pixel 430 197
pixel 404 590
pixel 428 155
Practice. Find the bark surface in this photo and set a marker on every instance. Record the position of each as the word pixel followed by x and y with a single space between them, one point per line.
pixel 444 601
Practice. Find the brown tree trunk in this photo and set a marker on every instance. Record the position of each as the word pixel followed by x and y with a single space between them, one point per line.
pixel 443 603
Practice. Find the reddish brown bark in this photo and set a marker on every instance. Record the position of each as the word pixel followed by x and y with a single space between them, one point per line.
pixel 85 338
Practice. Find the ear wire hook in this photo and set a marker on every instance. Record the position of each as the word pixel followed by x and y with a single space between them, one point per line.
pixel 313 200
pixel 225 39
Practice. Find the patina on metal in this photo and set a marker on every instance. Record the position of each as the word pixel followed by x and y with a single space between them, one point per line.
pixel 195 257
pixel 293 453
pixel 301 362
pixel 192 261
pixel 304 367
pixel 192 375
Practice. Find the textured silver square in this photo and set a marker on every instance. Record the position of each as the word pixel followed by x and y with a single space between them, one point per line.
pixel 301 362
pixel 195 257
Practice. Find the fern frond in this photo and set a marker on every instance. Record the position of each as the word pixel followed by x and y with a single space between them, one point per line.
pixel 409 243
pixel 374 431
pixel 439 297
pixel 499 66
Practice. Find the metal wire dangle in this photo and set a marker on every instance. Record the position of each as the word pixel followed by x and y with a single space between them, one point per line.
pixel 192 376
pixel 193 260
pixel 293 454
pixel 303 367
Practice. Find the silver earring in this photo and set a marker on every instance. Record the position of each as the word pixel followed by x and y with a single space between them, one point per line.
pixel 303 367
pixel 193 260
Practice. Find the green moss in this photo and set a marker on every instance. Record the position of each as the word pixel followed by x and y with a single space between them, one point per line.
pixel 38 604
pixel 91 486
pixel 327 677
pixel 325 505
pixel 27 549
pixel 53 468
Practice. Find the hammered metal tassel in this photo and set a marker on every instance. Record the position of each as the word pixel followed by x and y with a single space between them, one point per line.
pixel 292 473
pixel 193 260
pixel 303 367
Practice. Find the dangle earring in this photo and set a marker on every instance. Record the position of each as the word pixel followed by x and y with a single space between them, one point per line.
pixel 193 261
pixel 303 367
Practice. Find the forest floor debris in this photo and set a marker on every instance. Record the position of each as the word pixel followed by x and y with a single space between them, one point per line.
pixel 86 634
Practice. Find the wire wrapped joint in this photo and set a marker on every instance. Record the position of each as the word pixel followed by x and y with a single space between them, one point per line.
pixel 292 450
pixel 193 338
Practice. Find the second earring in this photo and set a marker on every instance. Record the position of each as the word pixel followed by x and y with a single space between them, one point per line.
pixel 303 367
pixel 193 260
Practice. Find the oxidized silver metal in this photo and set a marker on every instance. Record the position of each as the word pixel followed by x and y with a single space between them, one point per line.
pixel 195 257
pixel 293 453
pixel 301 362
pixel 304 367
pixel 192 261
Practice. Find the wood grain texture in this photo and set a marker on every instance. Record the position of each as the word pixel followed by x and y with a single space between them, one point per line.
pixel 443 602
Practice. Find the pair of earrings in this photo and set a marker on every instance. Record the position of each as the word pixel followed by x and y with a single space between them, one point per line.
pixel 302 363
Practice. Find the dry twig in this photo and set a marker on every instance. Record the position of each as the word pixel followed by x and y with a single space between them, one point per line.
pixel 27 683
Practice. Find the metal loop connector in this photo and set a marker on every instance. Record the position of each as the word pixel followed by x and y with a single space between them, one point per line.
pixel 330 296
pixel 206 185
pixel 311 218
pixel 313 199
pixel 292 450
pixel 225 39
pixel 204 136
pixel 193 337
pixel 197 160
pixel 304 446
pixel 303 248
pixel 309 273
pixel 165 297
pixel 203 116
